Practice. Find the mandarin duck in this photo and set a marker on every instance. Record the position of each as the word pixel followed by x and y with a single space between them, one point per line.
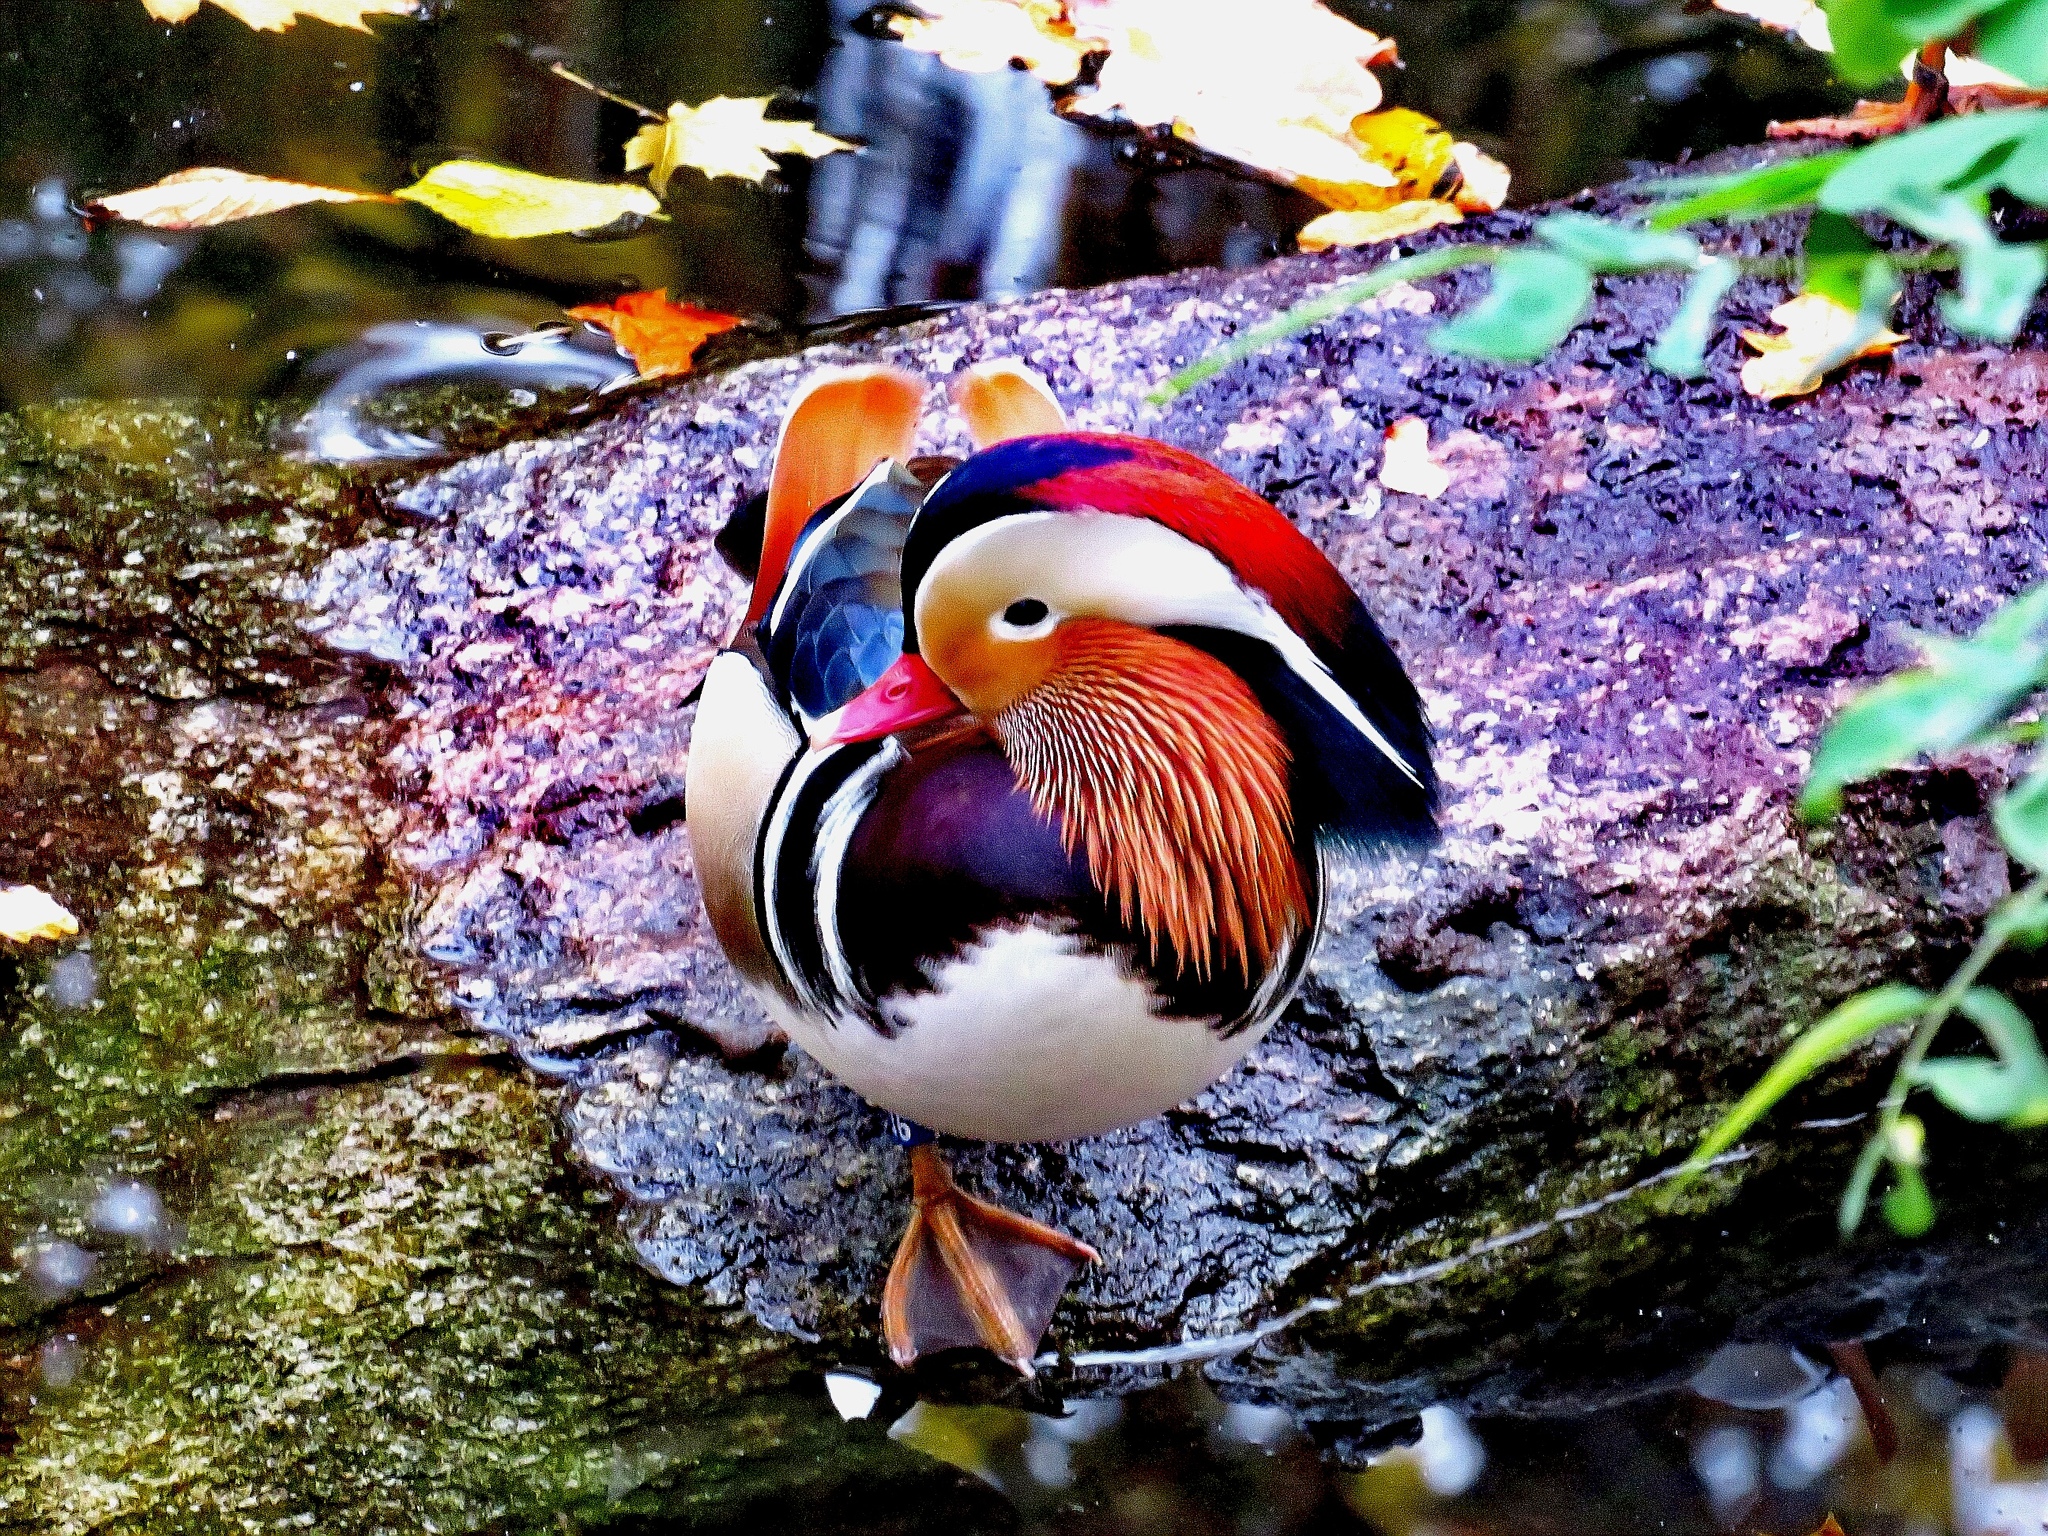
pixel 1012 795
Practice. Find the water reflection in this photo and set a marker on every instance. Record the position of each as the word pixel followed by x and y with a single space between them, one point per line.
pixel 962 190
pixel 1962 1447
pixel 969 186
pixel 340 427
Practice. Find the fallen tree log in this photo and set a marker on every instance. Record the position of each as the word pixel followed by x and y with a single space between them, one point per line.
pixel 1630 614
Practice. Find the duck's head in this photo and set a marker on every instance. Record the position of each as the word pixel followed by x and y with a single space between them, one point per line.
pixel 1170 665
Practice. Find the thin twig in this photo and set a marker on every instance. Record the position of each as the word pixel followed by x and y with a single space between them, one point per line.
pixel 595 89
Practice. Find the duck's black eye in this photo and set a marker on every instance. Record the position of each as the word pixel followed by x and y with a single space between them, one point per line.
pixel 1024 613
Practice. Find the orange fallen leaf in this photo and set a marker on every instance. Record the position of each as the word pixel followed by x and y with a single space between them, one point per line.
pixel 1814 332
pixel 727 136
pixel 1405 464
pixel 276 15
pixel 27 913
pixel 1370 226
pixel 208 195
pixel 661 336
pixel 1865 120
pixel 1973 86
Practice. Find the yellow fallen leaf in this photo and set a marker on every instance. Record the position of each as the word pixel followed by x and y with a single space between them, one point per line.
pixel 1484 186
pixel 508 204
pixel 1405 464
pixel 1417 149
pixel 1277 91
pixel 1369 226
pixel 27 913
pixel 983 36
pixel 1803 19
pixel 276 15
pixel 1813 331
pixel 208 195
pixel 727 136
pixel 660 335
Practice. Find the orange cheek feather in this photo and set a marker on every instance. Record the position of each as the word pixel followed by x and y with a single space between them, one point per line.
pixel 1157 761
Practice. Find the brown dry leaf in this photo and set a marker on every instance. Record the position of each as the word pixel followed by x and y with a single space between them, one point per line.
pixel 208 195
pixel 1370 226
pixel 1803 19
pixel 276 15
pixel 1277 90
pixel 661 336
pixel 727 136
pixel 27 913
pixel 1405 464
pixel 1866 120
pixel 1813 330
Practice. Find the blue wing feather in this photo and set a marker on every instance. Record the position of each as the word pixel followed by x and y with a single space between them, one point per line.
pixel 837 623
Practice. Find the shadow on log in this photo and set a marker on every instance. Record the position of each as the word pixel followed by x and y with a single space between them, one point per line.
pixel 1630 614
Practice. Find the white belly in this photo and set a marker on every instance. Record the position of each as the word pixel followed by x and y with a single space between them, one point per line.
pixel 1028 1037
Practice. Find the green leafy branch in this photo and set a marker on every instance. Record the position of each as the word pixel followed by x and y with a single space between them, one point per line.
pixel 1964 695
pixel 1871 36
pixel 1936 182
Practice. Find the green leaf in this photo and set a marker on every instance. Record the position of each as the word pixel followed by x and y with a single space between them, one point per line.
pixel 1870 38
pixel 1908 1207
pixel 1682 350
pixel 1536 298
pixel 1999 281
pixel 1848 1026
pixel 1968 156
pixel 1607 245
pixel 2010 1031
pixel 2014 38
pixel 2022 620
pixel 2021 817
pixel 2015 1087
pixel 1974 1088
pixel 1745 194
pixel 1967 686
pixel 1999 284
pixel 1835 254
pixel 2021 919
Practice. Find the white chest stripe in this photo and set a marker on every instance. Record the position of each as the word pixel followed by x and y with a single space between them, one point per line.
pixel 773 835
pixel 836 825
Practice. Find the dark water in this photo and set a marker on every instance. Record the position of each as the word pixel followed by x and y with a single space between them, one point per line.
pixel 971 187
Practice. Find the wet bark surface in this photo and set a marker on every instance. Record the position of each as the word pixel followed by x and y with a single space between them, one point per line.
pixel 357 781
pixel 1630 615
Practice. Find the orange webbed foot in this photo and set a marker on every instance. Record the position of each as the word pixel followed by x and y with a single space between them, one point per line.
pixel 969 1273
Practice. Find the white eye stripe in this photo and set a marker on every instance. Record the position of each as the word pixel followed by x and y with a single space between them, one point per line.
pixel 1107 565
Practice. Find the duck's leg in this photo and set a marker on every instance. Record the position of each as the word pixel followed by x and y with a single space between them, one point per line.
pixel 971 1273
